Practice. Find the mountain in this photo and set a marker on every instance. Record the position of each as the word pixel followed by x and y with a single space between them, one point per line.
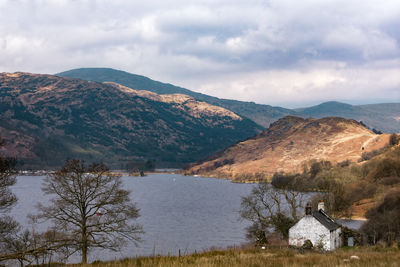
pixel 263 115
pixel 382 117
pixel 46 119
pixel 289 144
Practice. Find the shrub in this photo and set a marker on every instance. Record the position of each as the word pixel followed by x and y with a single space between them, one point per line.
pixel 393 139
pixel 360 190
pixel 319 166
pixel 386 167
pixel 307 245
pixel 224 162
pixel 282 224
pixel 383 223
pixel 369 155
pixel 344 163
pixel 282 180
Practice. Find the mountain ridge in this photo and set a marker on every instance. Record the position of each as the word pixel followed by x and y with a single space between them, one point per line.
pixel 382 117
pixel 261 114
pixel 46 119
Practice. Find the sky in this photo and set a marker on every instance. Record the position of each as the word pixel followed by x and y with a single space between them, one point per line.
pixel 277 52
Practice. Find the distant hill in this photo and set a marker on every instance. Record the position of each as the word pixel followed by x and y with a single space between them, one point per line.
pixel 382 117
pixel 324 109
pixel 289 144
pixel 46 119
pixel 261 114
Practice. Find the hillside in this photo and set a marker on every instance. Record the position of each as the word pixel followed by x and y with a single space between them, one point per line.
pixel 290 143
pixel 382 117
pixel 261 114
pixel 46 119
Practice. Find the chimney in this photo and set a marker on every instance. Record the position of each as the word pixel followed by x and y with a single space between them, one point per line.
pixel 321 205
pixel 308 209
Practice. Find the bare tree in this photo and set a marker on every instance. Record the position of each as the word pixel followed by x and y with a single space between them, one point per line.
pixel 270 208
pixel 8 226
pixel 90 208
pixel 7 179
pixel 17 246
pixel 35 248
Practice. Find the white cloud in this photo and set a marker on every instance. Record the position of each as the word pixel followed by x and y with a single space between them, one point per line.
pixel 273 52
pixel 297 88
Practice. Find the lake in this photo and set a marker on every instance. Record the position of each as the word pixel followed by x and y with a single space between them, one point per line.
pixel 178 212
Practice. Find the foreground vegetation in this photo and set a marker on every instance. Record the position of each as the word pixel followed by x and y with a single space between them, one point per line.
pixel 367 256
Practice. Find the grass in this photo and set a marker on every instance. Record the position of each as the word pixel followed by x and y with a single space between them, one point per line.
pixel 368 256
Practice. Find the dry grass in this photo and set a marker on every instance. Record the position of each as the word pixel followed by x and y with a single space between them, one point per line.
pixel 270 257
pixel 289 145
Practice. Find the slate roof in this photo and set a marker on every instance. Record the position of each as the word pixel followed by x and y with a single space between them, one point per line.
pixel 325 220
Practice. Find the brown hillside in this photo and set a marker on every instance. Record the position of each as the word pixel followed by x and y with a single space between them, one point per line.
pixel 290 143
pixel 45 119
pixel 195 108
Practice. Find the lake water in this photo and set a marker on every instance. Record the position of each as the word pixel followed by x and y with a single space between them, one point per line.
pixel 177 212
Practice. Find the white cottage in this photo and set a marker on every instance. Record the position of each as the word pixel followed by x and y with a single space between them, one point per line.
pixel 319 228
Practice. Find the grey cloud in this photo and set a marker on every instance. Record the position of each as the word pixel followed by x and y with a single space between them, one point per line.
pixel 201 44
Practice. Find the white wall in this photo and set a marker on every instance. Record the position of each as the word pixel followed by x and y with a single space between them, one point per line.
pixel 310 228
pixel 335 235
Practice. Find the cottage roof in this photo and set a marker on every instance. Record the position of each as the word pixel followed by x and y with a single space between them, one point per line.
pixel 325 220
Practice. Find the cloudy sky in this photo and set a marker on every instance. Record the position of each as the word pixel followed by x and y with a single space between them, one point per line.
pixel 278 52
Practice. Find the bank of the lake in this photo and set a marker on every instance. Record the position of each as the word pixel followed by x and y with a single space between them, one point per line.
pixel 358 256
